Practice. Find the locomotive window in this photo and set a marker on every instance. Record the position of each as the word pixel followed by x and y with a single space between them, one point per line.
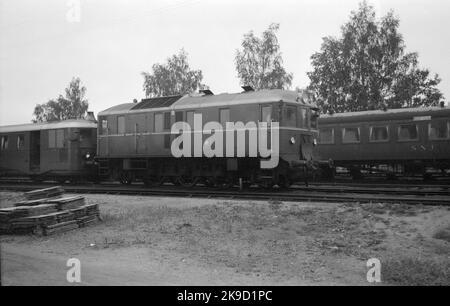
pixel 159 122
pixel 52 138
pixel 326 135
pixel 121 125
pixel 190 119
pixel 4 142
pixel 304 122
pixel 60 138
pixel 407 132
pixel 314 119
pixel 290 116
pixel 178 116
pixel 224 116
pixel 20 142
pixel 379 133
pixel 350 135
pixel 266 114
pixel 167 121
pixel 438 130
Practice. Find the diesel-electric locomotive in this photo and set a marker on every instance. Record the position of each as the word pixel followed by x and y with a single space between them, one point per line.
pixel 263 137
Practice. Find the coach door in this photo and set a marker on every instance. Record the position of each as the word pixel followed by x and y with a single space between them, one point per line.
pixel 35 151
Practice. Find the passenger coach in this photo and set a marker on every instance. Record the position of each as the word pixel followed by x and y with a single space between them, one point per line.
pixel 60 151
pixel 407 141
pixel 134 139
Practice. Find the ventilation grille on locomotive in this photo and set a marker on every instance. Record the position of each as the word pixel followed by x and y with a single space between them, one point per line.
pixel 156 102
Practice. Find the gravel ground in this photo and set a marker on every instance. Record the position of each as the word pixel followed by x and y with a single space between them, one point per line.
pixel 151 240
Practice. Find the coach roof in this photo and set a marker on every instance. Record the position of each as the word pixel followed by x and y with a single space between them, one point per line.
pixel 390 114
pixel 197 101
pixel 75 123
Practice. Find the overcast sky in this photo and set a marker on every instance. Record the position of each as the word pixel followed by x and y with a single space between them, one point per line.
pixel 115 40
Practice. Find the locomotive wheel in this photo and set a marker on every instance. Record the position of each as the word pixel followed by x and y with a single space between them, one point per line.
pixel 283 182
pixel 266 184
pixel 225 183
pixel 210 181
pixel 175 181
pixel 187 181
pixel 150 181
pixel 125 178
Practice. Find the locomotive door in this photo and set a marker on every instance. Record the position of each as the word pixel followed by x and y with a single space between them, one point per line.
pixel 35 151
pixel 139 139
pixel 306 147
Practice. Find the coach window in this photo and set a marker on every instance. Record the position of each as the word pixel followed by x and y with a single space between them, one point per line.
pixel 4 142
pixel 159 123
pixel 438 130
pixel 326 136
pixel 408 132
pixel 20 142
pixel 266 114
pixel 224 116
pixel 52 139
pixel 121 125
pixel 379 133
pixel 60 138
pixel 350 135
pixel 104 126
pixel 290 116
pixel 167 121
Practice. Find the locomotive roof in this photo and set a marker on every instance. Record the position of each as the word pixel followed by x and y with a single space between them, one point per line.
pixel 196 101
pixel 75 123
pixel 390 114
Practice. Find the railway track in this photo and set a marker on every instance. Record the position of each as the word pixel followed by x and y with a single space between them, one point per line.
pixel 337 194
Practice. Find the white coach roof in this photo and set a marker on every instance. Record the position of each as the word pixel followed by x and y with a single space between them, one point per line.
pixel 78 123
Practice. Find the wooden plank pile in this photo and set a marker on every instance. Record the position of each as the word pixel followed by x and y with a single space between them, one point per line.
pixel 68 202
pixel 54 214
pixel 45 193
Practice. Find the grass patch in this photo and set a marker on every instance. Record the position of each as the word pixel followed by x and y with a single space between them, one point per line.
pixel 443 234
pixel 416 272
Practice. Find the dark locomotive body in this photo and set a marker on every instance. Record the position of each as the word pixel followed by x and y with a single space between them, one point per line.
pixel 60 151
pixel 408 141
pixel 134 140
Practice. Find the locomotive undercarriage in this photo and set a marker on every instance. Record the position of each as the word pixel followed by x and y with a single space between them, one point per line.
pixel 213 172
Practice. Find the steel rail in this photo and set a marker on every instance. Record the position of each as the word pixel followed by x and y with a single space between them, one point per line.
pixel 297 195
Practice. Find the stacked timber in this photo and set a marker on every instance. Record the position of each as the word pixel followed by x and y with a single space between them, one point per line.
pixel 68 202
pixel 31 202
pixel 45 193
pixel 60 227
pixel 38 210
pixel 47 215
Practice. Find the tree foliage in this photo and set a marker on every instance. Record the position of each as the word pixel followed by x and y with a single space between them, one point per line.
pixel 368 68
pixel 172 78
pixel 259 63
pixel 72 105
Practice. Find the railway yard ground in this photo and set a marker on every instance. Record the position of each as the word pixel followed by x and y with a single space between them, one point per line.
pixel 145 240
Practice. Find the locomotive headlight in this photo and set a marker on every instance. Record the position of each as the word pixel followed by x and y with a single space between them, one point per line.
pixel 292 140
pixel 88 155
